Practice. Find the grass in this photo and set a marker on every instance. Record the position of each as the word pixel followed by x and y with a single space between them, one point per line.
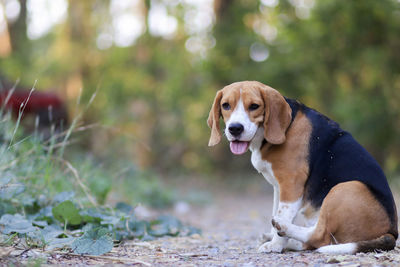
pixel 52 199
pixel 35 165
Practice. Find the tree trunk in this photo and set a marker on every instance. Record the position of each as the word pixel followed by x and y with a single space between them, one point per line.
pixel 18 33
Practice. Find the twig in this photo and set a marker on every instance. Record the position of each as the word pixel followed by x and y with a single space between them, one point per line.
pixel 23 252
pixel 117 259
pixel 48 148
pixel 143 244
pixel 9 185
pixel 78 179
pixel 77 129
pixel 334 239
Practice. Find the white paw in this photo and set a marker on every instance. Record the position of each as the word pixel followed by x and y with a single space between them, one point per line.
pixel 280 225
pixel 271 246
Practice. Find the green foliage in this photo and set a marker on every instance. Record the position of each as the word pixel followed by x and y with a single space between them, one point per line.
pixel 99 228
pixel 148 189
pixel 15 224
pixel 166 225
pixel 34 210
pixel 94 242
pixel 341 60
pixel 340 57
pixel 66 213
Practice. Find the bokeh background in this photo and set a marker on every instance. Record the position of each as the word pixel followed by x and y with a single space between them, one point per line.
pixel 153 67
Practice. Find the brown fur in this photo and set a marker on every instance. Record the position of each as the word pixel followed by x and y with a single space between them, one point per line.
pixel 277 116
pixel 213 120
pixel 309 210
pixel 274 113
pixel 290 160
pixel 349 213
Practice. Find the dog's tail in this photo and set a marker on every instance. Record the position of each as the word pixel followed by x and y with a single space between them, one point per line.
pixel 385 242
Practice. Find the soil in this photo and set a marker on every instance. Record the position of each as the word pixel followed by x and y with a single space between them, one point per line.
pixel 232 225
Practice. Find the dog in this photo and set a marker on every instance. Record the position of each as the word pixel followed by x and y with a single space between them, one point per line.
pixel 329 193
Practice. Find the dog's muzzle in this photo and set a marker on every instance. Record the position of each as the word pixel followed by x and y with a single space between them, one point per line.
pixel 235 129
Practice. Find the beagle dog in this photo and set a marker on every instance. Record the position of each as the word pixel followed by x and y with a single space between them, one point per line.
pixel 329 193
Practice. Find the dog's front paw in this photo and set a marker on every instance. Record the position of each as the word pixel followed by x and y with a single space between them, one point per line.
pixel 271 246
pixel 280 226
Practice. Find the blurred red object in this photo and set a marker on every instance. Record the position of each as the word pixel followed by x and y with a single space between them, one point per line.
pixel 48 107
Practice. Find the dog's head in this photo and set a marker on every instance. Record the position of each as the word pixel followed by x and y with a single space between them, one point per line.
pixel 246 107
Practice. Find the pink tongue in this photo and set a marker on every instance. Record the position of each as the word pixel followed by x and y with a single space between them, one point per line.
pixel 239 147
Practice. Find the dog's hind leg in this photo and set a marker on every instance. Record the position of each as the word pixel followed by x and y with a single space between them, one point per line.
pixel 300 233
pixel 295 245
pixel 350 220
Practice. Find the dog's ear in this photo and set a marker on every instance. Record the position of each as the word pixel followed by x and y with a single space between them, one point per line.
pixel 213 120
pixel 278 115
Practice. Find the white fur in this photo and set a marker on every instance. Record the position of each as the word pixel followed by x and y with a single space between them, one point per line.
pixel 284 215
pixel 263 166
pixel 348 248
pixel 295 245
pixel 277 244
pixel 306 221
pixel 239 115
pixel 288 210
pixel 302 234
pixel 285 212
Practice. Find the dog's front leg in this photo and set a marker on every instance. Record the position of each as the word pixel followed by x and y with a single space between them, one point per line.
pixel 268 236
pixel 286 211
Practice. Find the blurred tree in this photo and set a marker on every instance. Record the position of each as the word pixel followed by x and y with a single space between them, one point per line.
pixel 20 44
pixel 230 59
pixel 18 30
pixel 343 60
pixel 340 57
pixel 81 35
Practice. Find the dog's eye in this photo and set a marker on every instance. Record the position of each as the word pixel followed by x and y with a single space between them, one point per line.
pixel 226 106
pixel 254 106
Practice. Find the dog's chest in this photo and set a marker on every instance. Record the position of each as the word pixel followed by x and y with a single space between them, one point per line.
pixel 263 167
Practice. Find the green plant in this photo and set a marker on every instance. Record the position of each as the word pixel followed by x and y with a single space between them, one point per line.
pixel 46 200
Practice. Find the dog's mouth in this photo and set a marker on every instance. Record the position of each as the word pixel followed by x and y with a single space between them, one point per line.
pixel 239 147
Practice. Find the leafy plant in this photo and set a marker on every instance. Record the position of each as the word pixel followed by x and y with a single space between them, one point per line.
pixel 95 241
pixel 66 212
pixel 98 229
pixel 36 210
pixel 15 224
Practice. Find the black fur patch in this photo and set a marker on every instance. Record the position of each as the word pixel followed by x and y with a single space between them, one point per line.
pixel 336 157
pixel 385 242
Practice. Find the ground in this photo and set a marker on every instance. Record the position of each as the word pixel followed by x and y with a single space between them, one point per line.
pixel 232 225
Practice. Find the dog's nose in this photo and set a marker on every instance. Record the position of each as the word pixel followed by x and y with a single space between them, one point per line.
pixel 235 129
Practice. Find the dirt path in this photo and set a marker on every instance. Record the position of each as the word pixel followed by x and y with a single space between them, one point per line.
pixel 232 225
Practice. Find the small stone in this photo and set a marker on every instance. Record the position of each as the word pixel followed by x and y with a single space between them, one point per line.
pixel 332 260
